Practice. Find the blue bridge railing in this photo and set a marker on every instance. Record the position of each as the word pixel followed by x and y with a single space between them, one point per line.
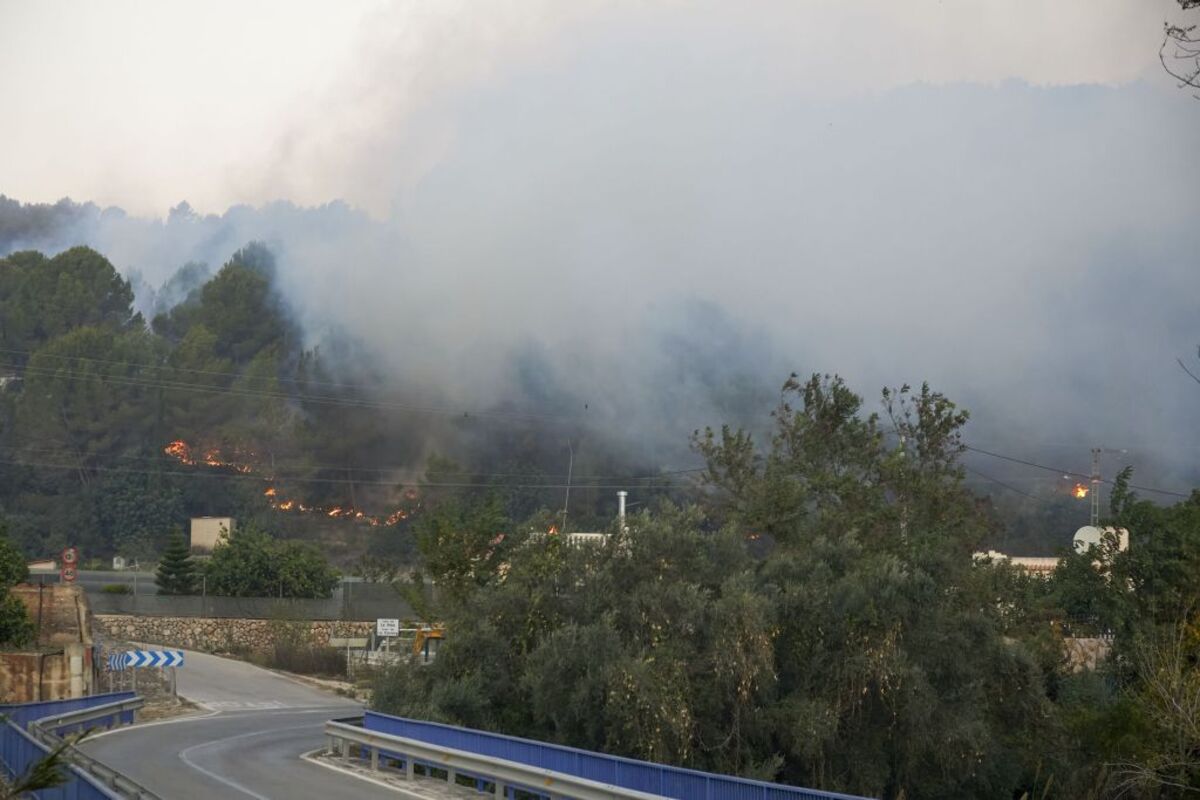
pixel 627 773
pixel 19 750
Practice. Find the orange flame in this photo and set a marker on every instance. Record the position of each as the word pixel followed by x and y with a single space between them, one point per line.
pixel 1080 491
pixel 181 451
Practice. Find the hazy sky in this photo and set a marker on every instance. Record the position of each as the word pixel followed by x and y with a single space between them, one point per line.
pixel 143 104
pixel 653 205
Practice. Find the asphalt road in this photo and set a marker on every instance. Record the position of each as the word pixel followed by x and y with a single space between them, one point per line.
pixel 245 742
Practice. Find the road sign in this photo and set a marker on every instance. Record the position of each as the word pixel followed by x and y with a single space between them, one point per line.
pixel 145 658
pixel 70 557
pixel 387 627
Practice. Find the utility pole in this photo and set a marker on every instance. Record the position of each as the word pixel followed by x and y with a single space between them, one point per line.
pixel 1096 480
pixel 567 499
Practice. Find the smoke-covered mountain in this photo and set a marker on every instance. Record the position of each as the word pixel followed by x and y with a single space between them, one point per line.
pixel 982 238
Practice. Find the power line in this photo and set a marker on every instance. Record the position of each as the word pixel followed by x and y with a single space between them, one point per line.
pixel 173 368
pixel 1072 473
pixel 261 479
pixel 150 383
pixel 999 482
pixel 279 468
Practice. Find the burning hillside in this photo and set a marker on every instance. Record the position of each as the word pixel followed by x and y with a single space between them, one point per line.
pixel 182 452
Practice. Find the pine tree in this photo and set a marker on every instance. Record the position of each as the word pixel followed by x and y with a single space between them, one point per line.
pixel 176 571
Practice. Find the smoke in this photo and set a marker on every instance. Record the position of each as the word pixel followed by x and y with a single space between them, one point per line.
pixel 645 220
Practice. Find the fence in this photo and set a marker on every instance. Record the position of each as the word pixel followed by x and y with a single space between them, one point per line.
pixel 19 750
pixel 350 602
pixel 626 773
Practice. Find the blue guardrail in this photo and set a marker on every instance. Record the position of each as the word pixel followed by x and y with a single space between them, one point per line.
pixel 628 773
pixel 19 750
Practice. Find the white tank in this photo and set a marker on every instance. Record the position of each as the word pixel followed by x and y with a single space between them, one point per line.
pixel 1086 538
pixel 1089 536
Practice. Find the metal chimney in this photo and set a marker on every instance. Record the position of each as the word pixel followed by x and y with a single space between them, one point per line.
pixel 621 495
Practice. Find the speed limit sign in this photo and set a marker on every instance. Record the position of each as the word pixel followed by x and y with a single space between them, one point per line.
pixel 70 556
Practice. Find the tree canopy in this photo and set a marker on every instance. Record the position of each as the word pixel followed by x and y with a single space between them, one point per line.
pixel 250 563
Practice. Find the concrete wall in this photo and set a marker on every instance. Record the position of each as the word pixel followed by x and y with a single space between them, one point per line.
pixel 207 531
pixel 224 635
pixel 59 665
pixel 29 677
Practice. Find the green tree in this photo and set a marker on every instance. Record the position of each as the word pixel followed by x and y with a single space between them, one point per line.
pixel 41 299
pixel 16 629
pixel 463 542
pixel 85 391
pixel 134 510
pixel 821 622
pixel 250 563
pixel 176 571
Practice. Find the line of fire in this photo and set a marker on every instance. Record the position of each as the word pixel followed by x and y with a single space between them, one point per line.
pixel 213 458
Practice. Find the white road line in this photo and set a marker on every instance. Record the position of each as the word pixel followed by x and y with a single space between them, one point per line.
pixel 183 755
pixel 139 725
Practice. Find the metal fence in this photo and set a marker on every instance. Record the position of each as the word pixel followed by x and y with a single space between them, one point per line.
pixel 350 602
pixel 627 773
pixel 19 750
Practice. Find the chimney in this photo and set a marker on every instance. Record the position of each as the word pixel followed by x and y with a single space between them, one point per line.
pixel 621 495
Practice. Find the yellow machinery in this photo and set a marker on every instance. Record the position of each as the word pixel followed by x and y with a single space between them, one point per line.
pixel 427 640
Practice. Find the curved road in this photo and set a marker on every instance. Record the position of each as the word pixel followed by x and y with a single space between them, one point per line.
pixel 245 742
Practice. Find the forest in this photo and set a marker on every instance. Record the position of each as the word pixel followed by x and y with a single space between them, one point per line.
pixel 115 428
pixel 806 607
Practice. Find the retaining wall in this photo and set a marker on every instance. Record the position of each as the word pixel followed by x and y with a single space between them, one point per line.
pixel 220 635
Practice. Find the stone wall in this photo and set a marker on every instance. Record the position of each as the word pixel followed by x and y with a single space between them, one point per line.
pixel 225 635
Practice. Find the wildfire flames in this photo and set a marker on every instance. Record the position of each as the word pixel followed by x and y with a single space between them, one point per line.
pixel 335 512
pixel 1080 491
pixel 182 452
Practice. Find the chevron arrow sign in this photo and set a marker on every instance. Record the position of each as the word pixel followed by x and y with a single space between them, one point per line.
pixel 152 658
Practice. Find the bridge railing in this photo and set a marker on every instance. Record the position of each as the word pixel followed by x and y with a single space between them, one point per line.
pixel 31 731
pixel 502 779
pixel 626 773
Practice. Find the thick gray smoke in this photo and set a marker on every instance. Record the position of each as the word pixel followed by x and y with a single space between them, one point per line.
pixel 662 238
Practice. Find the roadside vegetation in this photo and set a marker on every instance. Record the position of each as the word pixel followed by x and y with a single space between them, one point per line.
pixel 818 619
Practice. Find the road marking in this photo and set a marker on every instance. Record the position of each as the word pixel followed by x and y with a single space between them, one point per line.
pixel 242 705
pixel 232 784
pixel 139 725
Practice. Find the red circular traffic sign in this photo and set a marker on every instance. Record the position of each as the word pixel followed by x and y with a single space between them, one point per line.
pixel 70 555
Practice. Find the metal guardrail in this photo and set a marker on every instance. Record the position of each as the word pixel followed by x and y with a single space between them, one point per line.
pixel 659 780
pixel 45 731
pixel 502 774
